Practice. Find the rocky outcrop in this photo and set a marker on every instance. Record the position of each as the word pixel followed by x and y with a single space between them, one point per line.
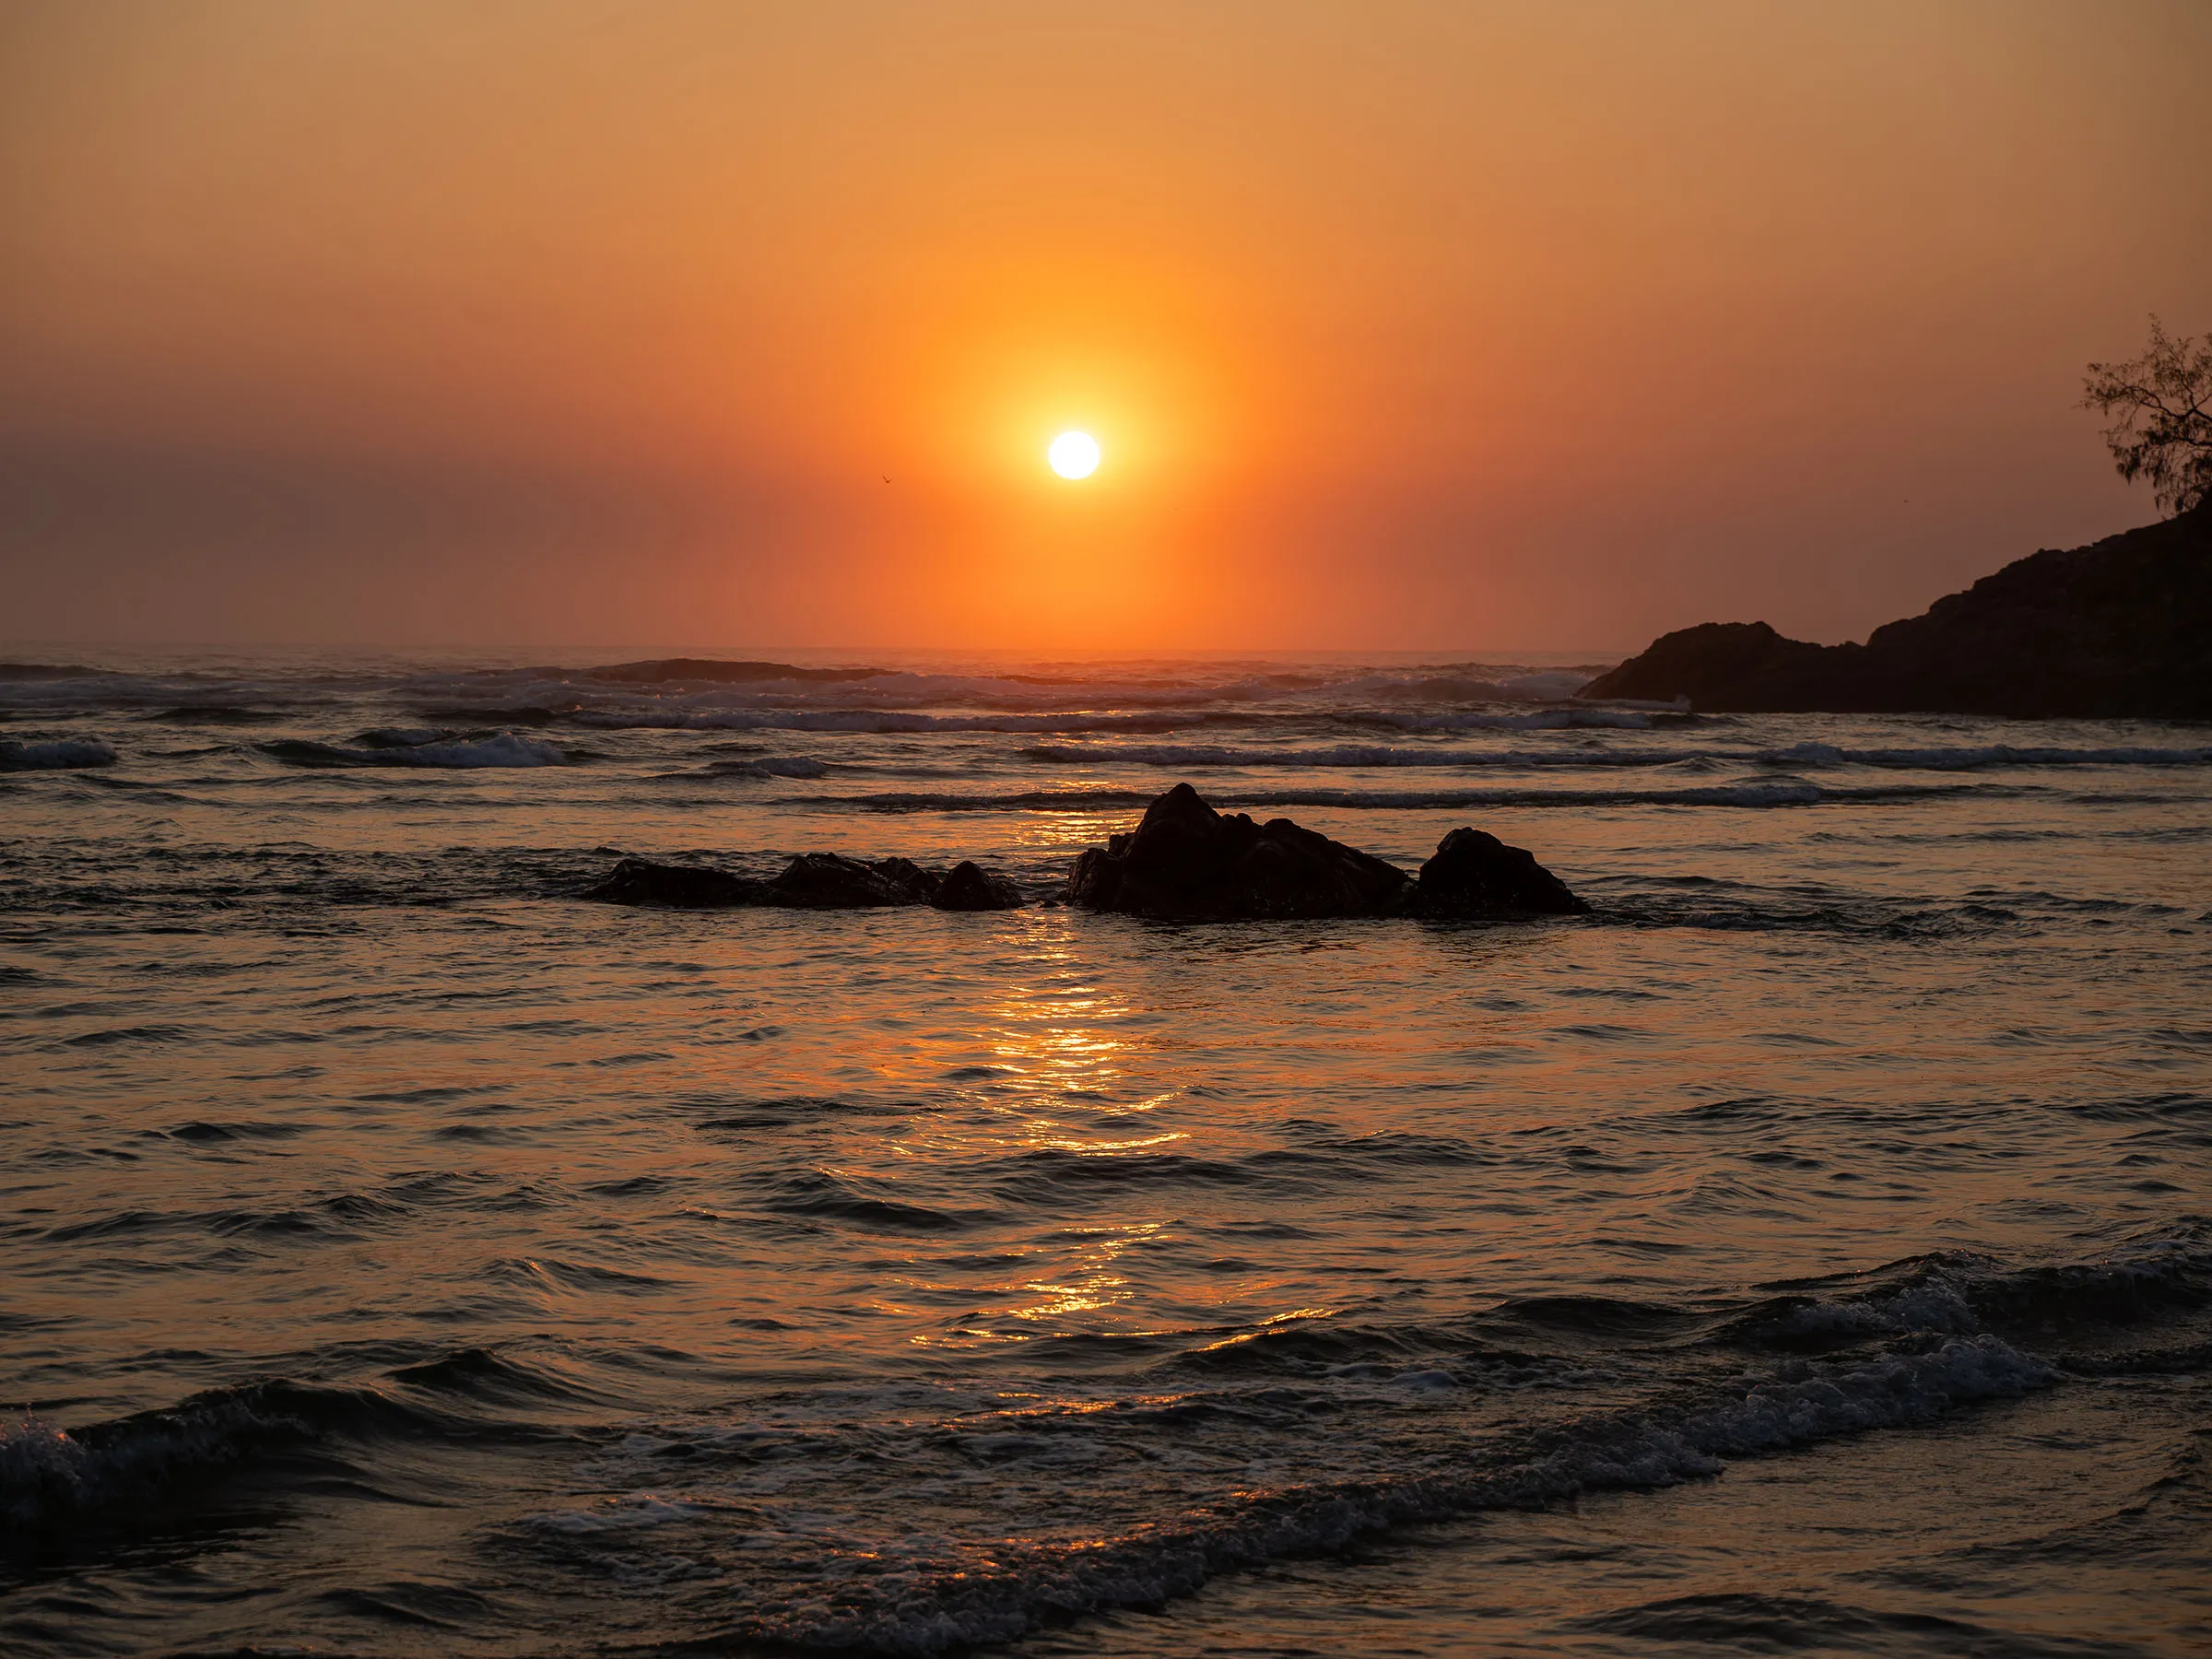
pixel 2116 630
pixel 1476 874
pixel 831 881
pixel 1187 861
pixel 811 881
pixel 675 887
pixel 1183 861
pixel 969 887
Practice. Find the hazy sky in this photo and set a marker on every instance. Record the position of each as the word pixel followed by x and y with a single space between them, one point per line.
pixel 1423 326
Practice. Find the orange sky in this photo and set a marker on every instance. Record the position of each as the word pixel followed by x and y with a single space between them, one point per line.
pixel 1432 326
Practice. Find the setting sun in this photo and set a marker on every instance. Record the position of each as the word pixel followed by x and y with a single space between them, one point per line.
pixel 1074 455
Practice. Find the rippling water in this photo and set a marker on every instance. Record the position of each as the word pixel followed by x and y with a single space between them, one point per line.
pixel 1808 1251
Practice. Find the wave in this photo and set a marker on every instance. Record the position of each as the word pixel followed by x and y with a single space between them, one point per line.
pixel 766 766
pixel 1779 791
pixel 1013 1588
pixel 1462 683
pixel 716 669
pixel 1808 755
pixel 61 754
pixel 1340 755
pixel 399 747
pixel 1975 758
pixel 1926 1339
pixel 52 1478
pixel 1957 1292
pixel 220 714
pixel 49 671
pixel 1585 718
pixel 126 1470
pixel 880 721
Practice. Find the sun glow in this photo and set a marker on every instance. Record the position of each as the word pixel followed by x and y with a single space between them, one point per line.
pixel 1074 455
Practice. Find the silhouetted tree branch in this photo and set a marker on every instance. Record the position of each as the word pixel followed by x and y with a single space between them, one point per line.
pixel 2160 408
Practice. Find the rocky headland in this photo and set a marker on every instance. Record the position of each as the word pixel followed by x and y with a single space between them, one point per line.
pixel 2120 628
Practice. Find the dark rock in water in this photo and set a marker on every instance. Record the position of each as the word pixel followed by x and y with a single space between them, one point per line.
pixel 811 881
pixel 831 881
pixel 1186 859
pixel 1475 874
pixel 969 887
pixel 2116 630
pixel 678 887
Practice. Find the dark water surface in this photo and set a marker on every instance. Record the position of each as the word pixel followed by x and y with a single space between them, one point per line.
pixel 1810 1252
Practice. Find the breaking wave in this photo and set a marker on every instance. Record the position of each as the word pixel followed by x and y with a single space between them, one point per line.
pixel 400 747
pixel 1974 757
pixel 64 754
pixel 1811 756
pixel 1778 792
pixel 52 1478
pixel 927 1604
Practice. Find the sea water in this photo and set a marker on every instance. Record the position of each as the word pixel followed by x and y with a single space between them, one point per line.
pixel 1808 1251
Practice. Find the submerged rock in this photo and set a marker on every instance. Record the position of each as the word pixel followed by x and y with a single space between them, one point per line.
pixel 1474 873
pixel 969 887
pixel 811 881
pixel 1186 859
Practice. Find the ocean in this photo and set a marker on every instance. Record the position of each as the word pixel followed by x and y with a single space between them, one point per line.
pixel 1809 1250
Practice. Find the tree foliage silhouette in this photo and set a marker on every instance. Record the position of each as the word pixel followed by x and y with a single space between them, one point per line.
pixel 2159 406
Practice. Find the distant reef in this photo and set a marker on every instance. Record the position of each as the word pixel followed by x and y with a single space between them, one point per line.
pixel 2120 628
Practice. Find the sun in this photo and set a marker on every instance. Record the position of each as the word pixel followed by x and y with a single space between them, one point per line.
pixel 1074 455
